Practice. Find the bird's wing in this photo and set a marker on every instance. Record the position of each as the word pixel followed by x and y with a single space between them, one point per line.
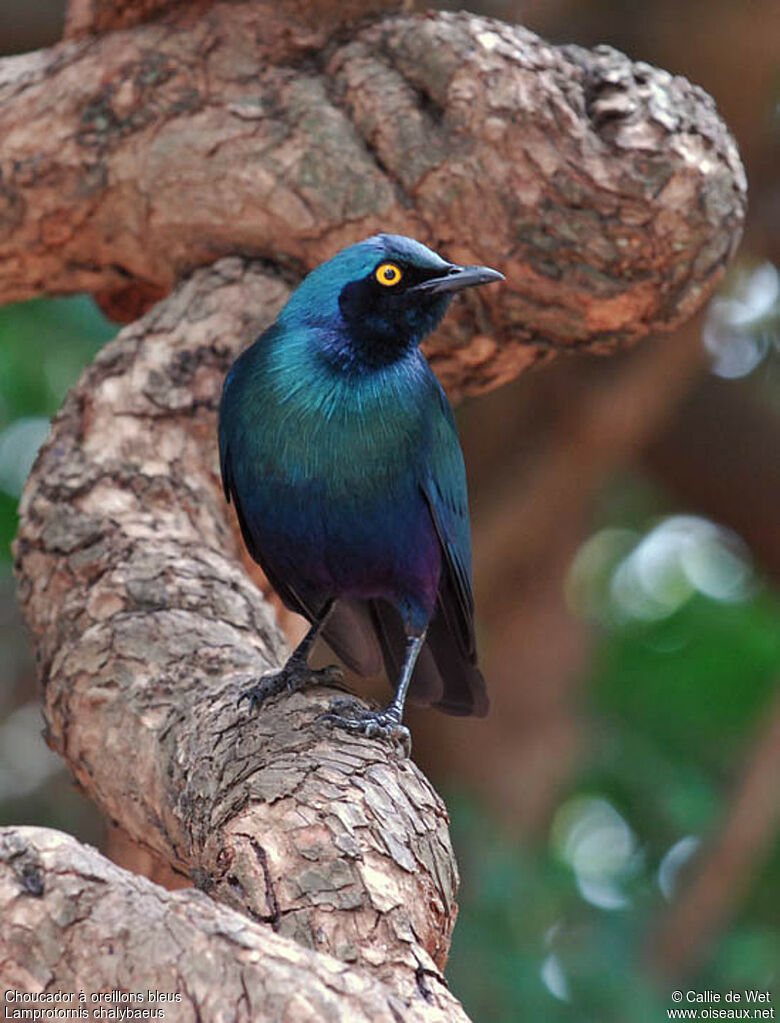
pixel 447 675
pixel 291 599
pixel 445 492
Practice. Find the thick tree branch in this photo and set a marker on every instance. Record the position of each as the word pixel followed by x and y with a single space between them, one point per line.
pixel 95 17
pixel 610 193
pixel 146 628
pixel 71 921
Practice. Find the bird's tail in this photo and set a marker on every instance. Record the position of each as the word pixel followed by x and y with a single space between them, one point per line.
pixel 366 633
pixel 443 677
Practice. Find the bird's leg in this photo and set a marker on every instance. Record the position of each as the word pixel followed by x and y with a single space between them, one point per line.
pixel 295 673
pixel 350 714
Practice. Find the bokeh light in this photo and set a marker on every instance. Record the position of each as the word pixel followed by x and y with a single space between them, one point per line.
pixel 620 575
pixel 742 326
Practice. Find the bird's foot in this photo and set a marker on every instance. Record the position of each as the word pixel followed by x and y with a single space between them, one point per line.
pixel 352 716
pixel 289 679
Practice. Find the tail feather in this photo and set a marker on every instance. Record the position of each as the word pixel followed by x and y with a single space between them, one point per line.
pixel 444 677
pixel 350 631
pixel 464 691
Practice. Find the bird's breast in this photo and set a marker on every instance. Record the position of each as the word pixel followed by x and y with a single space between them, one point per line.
pixel 332 473
pixel 351 433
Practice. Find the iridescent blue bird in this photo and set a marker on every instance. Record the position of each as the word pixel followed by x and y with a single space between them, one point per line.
pixel 339 451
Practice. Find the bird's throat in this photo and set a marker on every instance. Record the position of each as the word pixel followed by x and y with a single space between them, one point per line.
pixel 371 337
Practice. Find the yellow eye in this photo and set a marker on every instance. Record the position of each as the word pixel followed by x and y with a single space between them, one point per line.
pixel 388 274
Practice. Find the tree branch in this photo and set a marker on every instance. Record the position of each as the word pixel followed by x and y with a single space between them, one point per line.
pixel 70 920
pixel 609 192
pixel 146 629
pixel 96 17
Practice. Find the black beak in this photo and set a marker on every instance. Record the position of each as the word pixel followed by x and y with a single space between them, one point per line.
pixel 456 277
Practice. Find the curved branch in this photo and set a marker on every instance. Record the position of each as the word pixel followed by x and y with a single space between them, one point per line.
pixel 609 192
pixel 70 920
pixel 146 628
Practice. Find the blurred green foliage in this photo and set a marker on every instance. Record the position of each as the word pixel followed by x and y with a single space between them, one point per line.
pixel 44 345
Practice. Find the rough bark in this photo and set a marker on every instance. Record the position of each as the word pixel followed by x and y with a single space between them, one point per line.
pixel 70 920
pixel 95 17
pixel 609 192
pixel 146 628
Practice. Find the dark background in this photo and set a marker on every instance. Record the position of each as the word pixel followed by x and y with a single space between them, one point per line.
pixel 616 816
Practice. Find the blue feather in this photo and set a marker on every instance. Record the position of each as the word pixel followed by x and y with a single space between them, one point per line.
pixel 340 452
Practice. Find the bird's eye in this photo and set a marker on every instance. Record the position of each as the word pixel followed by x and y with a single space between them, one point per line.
pixel 388 274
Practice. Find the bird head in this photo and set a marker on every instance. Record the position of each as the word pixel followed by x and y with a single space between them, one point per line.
pixel 375 301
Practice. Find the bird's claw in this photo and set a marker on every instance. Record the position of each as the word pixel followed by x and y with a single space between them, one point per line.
pixel 288 679
pixel 353 717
